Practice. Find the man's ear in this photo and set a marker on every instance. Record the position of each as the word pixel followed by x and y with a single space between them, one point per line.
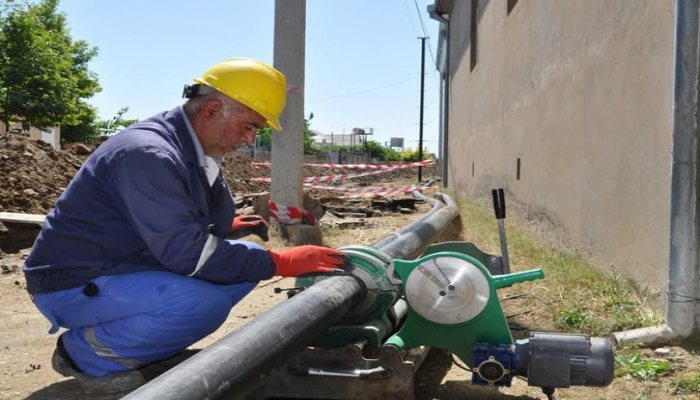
pixel 211 108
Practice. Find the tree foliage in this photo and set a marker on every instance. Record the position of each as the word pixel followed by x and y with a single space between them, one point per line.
pixel 84 131
pixel 89 127
pixel 264 136
pixel 116 123
pixel 412 155
pixel 376 150
pixel 44 75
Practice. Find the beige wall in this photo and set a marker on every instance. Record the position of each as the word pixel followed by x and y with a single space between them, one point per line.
pixel 581 92
pixel 54 138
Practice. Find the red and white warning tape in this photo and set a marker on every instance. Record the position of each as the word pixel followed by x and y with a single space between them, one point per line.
pixel 378 191
pixel 374 192
pixel 280 214
pixel 355 166
pixel 334 178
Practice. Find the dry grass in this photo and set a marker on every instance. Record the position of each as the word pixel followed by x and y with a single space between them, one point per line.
pixel 575 296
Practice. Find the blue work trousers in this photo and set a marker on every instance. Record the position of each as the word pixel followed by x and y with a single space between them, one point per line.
pixel 136 319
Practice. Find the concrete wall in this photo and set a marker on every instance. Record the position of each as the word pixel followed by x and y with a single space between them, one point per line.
pixel 51 135
pixel 581 92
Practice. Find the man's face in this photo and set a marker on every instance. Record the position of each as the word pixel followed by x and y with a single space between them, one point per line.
pixel 220 135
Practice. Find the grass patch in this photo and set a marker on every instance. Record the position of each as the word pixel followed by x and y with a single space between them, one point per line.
pixel 574 317
pixel 640 367
pixel 688 383
pixel 574 296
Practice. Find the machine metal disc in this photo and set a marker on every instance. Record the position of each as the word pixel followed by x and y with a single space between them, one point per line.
pixel 447 290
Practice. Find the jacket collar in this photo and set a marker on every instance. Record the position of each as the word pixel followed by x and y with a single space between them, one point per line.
pixel 175 119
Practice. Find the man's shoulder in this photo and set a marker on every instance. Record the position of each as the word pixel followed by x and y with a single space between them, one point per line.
pixel 149 134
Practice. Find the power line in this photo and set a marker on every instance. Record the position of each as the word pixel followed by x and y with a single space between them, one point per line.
pixel 362 91
pixel 430 47
pixel 425 33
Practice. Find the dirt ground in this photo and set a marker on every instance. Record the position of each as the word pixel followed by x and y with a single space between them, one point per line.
pixel 32 175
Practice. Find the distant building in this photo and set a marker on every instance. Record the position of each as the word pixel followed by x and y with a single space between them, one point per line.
pixel 51 136
pixel 323 139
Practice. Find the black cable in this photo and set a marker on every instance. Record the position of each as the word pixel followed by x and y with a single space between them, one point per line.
pixel 458 365
pixel 550 393
pixel 550 396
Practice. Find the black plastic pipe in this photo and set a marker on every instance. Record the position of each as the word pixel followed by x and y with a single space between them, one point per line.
pixel 239 363
pixel 412 239
pixel 437 204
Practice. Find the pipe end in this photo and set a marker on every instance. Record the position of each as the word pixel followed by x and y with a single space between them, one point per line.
pixel 654 335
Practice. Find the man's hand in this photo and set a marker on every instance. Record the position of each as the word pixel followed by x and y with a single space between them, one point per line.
pixel 308 259
pixel 244 225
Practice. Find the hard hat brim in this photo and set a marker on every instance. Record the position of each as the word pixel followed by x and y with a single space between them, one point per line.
pixel 275 124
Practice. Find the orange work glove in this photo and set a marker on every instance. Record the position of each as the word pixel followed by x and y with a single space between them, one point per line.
pixel 244 225
pixel 308 259
pixel 247 221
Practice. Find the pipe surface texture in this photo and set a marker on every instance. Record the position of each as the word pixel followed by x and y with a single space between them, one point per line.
pixel 437 205
pixel 416 236
pixel 240 362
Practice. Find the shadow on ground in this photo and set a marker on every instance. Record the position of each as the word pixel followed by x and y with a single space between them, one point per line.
pixel 435 381
pixel 70 390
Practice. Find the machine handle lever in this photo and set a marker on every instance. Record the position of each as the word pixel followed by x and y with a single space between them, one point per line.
pixel 499 206
pixel 501 281
pixel 372 374
pixel 499 203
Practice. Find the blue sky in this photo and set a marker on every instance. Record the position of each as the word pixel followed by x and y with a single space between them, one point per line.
pixel 362 57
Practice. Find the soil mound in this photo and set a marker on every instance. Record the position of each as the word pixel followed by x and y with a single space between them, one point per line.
pixel 33 174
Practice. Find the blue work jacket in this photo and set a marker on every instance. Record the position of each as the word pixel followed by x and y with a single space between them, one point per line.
pixel 141 202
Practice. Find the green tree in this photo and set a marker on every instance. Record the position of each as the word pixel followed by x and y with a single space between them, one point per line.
pixel 265 136
pixel 89 127
pixel 380 152
pixel 85 130
pixel 308 141
pixel 116 123
pixel 44 75
pixel 412 155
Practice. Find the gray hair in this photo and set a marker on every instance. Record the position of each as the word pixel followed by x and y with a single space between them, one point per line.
pixel 230 108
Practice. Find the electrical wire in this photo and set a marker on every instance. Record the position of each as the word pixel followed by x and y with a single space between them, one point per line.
pixel 425 34
pixel 550 396
pixel 363 91
pixel 458 365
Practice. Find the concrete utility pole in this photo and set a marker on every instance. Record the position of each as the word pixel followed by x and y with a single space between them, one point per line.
pixel 422 95
pixel 288 147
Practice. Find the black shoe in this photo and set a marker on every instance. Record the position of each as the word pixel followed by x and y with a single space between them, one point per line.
pixel 153 370
pixel 118 382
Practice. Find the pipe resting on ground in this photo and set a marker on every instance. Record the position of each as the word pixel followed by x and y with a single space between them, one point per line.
pixel 242 360
pixel 660 334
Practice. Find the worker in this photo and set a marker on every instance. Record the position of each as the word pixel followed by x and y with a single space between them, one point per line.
pixel 133 261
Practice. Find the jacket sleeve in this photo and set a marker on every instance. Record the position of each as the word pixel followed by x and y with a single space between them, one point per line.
pixel 150 186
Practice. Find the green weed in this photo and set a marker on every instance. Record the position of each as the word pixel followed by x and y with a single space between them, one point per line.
pixel 640 367
pixel 687 383
pixel 645 395
pixel 574 317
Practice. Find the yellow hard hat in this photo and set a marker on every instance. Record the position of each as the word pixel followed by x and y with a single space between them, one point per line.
pixel 251 82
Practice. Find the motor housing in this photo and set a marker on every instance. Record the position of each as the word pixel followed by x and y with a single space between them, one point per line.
pixel 548 360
